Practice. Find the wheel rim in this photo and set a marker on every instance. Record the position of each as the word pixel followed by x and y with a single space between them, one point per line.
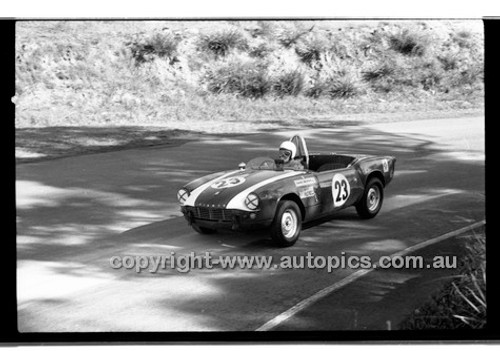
pixel 289 223
pixel 373 198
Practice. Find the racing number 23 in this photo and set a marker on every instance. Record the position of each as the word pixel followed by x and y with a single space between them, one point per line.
pixel 228 182
pixel 340 189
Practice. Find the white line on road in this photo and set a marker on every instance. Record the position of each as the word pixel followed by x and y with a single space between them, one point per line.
pixel 358 274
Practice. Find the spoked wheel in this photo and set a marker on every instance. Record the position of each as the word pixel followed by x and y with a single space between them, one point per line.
pixel 286 226
pixel 372 200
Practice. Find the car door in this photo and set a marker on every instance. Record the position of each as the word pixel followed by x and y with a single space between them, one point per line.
pixel 339 188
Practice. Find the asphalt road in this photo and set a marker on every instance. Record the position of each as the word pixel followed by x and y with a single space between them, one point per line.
pixel 74 214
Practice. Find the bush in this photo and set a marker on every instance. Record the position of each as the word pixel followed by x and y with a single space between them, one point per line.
pixel 288 83
pixel 346 86
pixel 310 49
pixel 430 74
pixel 221 42
pixel 461 304
pixel 468 77
pixel 449 61
pixel 291 34
pixel 384 85
pixel 317 88
pixel 243 78
pixel 409 42
pixel 146 49
pixel 264 29
pixel 471 288
pixel 343 46
pixel 464 39
pixel 378 71
pixel 260 49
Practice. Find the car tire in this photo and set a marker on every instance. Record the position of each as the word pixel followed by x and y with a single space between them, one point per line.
pixel 372 200
pixel 203 230
pixel 287 223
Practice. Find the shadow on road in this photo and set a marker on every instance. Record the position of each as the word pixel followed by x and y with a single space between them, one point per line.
pixel 78 212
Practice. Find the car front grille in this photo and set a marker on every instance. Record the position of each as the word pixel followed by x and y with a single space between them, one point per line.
pixel 211 214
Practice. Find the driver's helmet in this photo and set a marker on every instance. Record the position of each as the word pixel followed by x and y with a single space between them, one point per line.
pixel 288 145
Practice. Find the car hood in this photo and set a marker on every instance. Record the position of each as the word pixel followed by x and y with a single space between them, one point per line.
pixel 223 190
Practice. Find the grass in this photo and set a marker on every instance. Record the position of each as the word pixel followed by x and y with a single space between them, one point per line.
pixel 121 73
pixel 175 74
pixel 222 41
pixel 157 45
pixel 245 78
pixel 288 83
pixel 410 42
pixel 461 304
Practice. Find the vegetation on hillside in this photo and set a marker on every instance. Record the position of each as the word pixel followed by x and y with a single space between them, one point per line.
pixel 152 72
pixel 461 304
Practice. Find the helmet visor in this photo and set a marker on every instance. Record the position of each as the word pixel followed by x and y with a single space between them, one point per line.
pixel 284 153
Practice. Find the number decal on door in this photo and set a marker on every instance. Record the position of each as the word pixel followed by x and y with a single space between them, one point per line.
pixel 340 190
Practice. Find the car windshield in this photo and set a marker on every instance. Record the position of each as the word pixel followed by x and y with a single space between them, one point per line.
pixel 262 163
pixel 266 163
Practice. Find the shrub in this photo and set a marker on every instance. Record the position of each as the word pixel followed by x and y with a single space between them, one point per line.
pixel 332 65
pixel 221 42
pixel 469 76
pixel 464 39
pixel 429 74
pixel 471 288
pixel 288 83
pixel 291 34
pixel 461 304
pixel 264 29
pixel 409 42
pixel 449 61
pixel 343 45
pixel 384 85
pixel 260 49
pixel 379 71
pixel 243 78
pixel 346 86
pixel 157 45
pixel 317 87
pixel 310 49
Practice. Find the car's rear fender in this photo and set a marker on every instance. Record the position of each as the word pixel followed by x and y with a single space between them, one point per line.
pixel 381 167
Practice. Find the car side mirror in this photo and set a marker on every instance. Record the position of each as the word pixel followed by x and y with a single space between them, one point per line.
pixel 242 165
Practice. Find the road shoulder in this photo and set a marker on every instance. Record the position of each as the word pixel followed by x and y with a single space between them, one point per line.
pixel 382 299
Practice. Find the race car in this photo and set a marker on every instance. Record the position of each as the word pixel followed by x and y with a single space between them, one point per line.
pixel 265 193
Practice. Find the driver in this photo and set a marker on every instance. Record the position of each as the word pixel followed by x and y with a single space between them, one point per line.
pixel 287 152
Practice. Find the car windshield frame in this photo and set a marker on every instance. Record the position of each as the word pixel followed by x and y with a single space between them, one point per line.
pixel 264 163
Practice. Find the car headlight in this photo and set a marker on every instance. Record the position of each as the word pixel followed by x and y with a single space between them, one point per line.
pixel 252 201
pixel 182 195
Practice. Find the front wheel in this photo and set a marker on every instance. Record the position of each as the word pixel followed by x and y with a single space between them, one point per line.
pixel 285 229
pixel 371 203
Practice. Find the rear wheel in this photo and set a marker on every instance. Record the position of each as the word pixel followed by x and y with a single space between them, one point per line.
pixel 285 229
pixel 203 230
pixel 371 203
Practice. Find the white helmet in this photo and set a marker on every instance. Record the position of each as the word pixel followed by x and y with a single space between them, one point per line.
pixel 288 145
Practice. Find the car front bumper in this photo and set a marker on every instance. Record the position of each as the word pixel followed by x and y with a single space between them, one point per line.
pixel 225 219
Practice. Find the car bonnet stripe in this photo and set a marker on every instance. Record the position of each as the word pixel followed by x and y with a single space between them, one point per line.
pixel 238 202
pixel 196 192
pixel 220 196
